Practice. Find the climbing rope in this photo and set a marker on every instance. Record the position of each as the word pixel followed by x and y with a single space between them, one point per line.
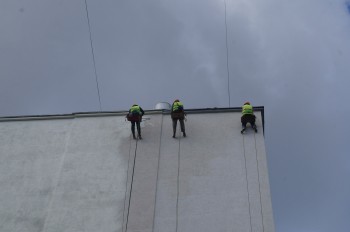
pixel 160 143
pixel 93 55
pixel 132 181
pixel 246 177
pixel 178 186
pixel 257 167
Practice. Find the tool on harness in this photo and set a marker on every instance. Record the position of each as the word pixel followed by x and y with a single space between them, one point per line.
pixel 178 115
pixel 134 117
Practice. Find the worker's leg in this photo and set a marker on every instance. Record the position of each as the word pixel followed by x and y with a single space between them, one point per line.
pixel 252 123
pixel 182 124
pixel 174 127
pixel 244 123
pixel 138 129
pixel 133 129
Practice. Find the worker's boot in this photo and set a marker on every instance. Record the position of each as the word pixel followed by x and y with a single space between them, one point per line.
pixel 133 135
pixel 242 131
pixel 184 133
pixel 140 136
pixel 174 135
pixel 255 129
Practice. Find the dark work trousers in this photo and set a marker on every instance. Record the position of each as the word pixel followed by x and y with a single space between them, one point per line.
pixel 248 118
pixel 133 128
pixel 182 125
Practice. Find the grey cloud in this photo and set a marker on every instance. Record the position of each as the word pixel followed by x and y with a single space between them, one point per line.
pixel 290 56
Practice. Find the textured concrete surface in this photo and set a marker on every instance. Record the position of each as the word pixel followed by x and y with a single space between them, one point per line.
pixel 87 174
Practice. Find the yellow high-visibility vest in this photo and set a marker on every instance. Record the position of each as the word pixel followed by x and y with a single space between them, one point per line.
pixel 177 105
pixel 247 109
pixel 135 109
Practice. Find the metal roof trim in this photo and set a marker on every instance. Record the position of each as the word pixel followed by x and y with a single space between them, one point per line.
pixel 120 113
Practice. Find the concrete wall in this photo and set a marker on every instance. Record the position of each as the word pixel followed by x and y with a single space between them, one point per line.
pixel 87 174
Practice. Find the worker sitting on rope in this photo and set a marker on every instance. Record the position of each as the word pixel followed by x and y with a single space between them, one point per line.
pixel 248 116
pixel 135 116
pixel 178 113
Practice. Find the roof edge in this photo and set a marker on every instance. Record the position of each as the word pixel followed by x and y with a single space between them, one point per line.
pixel 120 113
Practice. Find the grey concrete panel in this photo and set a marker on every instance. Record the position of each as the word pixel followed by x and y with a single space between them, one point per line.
pixel 90 193
pixel 208 174
pixel 29 156
pixel 166 201
pixel 88 174
pixel 128 183
pixel 211 175
pixel 217 185
pixel 253 181
pixel 64 175
pixel 264 184
pixel 257 178
pixel 142 203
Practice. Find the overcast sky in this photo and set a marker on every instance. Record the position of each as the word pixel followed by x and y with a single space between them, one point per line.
pixel 292 57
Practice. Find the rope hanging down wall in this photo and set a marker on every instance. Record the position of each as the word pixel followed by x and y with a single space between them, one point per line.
pixel 126 186
pixel 131 186
pixel 246 178
pixel 93 55
pixel 259 184
pixel 258 171
pixel 178 186
pixel 227 68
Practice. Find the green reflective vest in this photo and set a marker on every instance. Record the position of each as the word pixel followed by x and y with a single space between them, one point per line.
pixel 178 106
pixel 247 109
pixel 135 109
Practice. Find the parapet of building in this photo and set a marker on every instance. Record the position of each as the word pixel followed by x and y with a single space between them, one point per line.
pixel 84 172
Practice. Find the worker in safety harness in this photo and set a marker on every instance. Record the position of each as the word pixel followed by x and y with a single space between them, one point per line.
pixel 178 113
pixel 135 116
pixel 248 116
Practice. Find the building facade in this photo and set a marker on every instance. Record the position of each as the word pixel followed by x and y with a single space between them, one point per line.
pixel 84 172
